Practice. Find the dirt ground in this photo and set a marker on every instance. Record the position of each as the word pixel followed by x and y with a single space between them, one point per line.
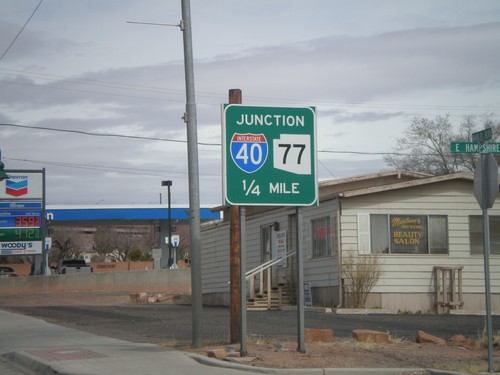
pixel 468 357
pixel 351 354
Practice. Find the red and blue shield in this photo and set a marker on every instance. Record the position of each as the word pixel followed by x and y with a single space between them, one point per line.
pixel 249 151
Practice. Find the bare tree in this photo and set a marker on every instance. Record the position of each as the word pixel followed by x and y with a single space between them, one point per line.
pixel 184 243
pixel 117 242
pixel 103 241
pixel 64 244
pixel 150 240
pixel 425 146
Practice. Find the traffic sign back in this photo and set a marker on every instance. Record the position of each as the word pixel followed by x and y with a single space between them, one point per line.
pixel 486 181
pixel 483 135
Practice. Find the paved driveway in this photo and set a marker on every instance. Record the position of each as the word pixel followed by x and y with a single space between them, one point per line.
pixel 172 323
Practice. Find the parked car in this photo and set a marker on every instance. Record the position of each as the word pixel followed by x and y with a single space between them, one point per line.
pixel 6 271
pixel 72 266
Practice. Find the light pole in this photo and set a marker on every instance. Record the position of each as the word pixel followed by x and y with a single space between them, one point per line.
pixel 168 183
pixel 193 172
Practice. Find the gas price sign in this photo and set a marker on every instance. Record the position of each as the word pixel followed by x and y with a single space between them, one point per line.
pixel 269 155
pixel 20 231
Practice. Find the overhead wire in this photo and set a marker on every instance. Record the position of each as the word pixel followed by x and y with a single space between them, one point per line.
pixel 217 144
pixel 159 90
pixel 149 172
pixel 20 31
pixel 109 168
pixel 82 132
pixel 213 95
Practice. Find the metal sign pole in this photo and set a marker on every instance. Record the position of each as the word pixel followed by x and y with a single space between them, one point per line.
pixel 486 240
pixel 243 285
pixel 194 182
pixel 300 284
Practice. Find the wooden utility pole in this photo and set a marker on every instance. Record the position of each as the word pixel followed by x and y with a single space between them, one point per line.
pixel 234 254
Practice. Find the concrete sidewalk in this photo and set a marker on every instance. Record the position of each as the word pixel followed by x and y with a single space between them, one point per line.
pixel 43 348
pixel 50 349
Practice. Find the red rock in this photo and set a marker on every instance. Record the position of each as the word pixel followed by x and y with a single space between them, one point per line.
pixel 367 335
pixel 318 335
pixel 425 338
pixel 138 297
pixel 463 341
pixel 216 353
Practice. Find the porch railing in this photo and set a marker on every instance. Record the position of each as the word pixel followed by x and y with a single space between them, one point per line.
pixel 264 270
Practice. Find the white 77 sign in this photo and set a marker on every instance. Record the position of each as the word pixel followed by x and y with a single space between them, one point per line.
pixel 292 153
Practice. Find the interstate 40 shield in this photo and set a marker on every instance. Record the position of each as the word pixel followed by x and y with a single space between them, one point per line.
pixel 249 151
pixel 269 155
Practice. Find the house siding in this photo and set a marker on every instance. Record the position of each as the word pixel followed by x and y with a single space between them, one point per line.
pixel 407 282
pixel 321 273
pixel 406 276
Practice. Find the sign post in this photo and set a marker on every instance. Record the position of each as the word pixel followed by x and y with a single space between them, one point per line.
pixel 269 159
pixel 485 191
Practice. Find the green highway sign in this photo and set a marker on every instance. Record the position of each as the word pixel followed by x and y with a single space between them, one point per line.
pixel 474 148
pixel 483 135
pixel 269 155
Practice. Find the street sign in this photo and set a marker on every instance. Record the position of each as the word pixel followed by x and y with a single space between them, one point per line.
pixel 474 148
pixel 269 155
pixel 483 135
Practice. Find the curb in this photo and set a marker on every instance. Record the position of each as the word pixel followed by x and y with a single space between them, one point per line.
pixel 37 366
pixel 312 371
pixel 26 362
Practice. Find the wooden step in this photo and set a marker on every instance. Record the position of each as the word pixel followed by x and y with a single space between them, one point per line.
pixel 260 301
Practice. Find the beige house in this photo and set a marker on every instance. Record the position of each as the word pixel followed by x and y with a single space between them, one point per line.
pixel 422 233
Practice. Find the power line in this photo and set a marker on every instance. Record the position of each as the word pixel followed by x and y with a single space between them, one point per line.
pixel 20 31
pixel 207 94
pixel 81 132
pixel 109 168
pixel 84 81
pixel 153 172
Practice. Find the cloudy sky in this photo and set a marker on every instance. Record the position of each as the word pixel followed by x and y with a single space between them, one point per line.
pixel 79 71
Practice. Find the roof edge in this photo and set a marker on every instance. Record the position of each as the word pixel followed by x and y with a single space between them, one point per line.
pixel 370 176
pixel 403 185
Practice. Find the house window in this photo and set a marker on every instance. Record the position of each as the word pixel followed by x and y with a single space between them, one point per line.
pixel 322 237
pixel 408 234
pixel 266 250
pixel 379 233
pixel 476 234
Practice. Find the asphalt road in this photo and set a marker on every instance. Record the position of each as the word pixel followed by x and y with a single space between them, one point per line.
pixel 171 324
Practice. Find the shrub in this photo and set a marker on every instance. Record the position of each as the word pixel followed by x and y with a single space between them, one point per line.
pixel 360 275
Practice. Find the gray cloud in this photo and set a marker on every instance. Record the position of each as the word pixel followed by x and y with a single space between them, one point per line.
pixel 343 72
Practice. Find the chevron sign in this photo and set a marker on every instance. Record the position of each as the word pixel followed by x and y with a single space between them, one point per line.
pixel 16 186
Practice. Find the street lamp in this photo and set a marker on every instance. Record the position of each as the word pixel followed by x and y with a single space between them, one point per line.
pixel 168 183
